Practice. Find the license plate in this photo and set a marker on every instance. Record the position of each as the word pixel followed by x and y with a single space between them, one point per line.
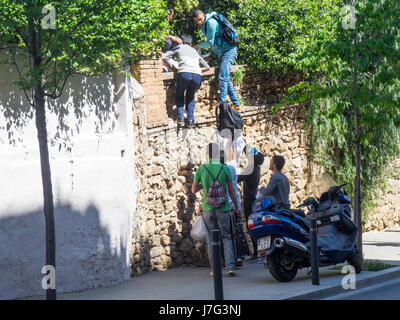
pixel 264 243
pixel 335 218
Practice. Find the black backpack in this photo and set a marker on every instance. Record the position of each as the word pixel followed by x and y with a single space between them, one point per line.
pixel 228 33
pixel 227 117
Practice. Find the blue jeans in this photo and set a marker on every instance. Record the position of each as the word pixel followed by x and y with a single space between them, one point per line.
pixel 225 85
pixel 220 220
pixel 189 83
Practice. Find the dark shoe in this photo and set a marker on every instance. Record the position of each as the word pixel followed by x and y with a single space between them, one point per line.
pixel 181 122
pixel 239 263
pixel 189 124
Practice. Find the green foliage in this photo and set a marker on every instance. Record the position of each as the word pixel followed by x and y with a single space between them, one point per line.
pixel 333 148
pixel 332 97
pixel 90 37
pixel 274 33
pixel 182 21
pixel 238 75
pixel 375 265
pixel 369 265
pixel 241 99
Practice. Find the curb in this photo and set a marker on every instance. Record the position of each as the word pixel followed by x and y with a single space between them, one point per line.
pixel 370 280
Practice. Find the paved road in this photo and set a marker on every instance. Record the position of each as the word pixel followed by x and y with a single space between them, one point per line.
pixel 385 291
pixel 253 282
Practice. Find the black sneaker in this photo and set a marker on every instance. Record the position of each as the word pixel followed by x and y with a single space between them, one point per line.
pixel 181 122
pixel 189 124
pixel 239 262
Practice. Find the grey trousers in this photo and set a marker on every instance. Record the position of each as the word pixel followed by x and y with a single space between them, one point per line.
pixel 220 220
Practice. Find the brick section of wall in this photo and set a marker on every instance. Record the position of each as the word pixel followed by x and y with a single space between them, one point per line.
pixel 159 90
pixel 149 74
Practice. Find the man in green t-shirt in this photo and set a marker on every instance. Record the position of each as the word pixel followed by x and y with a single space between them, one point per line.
pixel 217 218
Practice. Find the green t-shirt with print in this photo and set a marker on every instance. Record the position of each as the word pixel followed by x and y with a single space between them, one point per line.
pixel 202 176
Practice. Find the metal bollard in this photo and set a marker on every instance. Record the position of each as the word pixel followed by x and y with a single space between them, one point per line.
pixel 217 269
pixel 314 252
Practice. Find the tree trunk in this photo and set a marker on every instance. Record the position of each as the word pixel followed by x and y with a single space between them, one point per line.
pixel 357 180
pixel 35 42
pixel 47 185
pixel 357 186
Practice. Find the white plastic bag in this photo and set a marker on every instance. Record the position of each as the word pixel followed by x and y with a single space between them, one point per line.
pixel 198 231
pixel 238 145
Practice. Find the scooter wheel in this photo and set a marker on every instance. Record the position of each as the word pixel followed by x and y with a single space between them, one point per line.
pixel 353 260
pixel 281 271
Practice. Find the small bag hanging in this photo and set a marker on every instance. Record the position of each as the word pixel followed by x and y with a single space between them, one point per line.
pixel 198 231
pixel 216 195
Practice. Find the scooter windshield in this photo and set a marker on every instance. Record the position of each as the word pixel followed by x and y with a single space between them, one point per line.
pixel 321 184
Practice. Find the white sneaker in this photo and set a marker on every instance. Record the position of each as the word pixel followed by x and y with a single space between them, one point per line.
pixel 231 273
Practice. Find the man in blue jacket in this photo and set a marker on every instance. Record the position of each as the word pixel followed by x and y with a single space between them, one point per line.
pixel 225 52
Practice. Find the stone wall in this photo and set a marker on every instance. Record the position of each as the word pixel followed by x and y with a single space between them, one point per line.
pixel 386 215
pixel 167 158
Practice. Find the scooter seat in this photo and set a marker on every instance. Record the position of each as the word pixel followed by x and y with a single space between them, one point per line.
pixel 298 212
pixel 298 215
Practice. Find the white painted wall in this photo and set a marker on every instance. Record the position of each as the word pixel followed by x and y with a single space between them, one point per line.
pixel 92 162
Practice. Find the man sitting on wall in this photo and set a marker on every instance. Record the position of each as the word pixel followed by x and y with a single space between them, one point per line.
pixel 190 66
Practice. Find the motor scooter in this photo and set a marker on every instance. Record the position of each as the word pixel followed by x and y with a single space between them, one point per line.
pixel 283 235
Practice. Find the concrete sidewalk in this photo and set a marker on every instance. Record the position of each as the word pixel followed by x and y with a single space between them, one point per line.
pixel 253 281
pixel 382 246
